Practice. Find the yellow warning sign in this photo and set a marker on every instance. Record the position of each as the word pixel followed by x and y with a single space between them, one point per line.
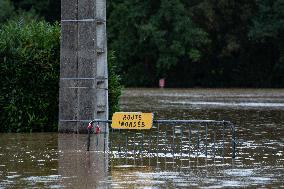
pixel 132 120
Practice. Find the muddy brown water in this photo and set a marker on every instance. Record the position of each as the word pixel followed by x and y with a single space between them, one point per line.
pixel 51 160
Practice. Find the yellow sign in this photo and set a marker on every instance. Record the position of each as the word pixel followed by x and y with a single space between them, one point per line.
pixel 132 120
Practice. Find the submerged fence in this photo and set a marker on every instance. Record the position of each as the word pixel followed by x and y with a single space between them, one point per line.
pixel 172 140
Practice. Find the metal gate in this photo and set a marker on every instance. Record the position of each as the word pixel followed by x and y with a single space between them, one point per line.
pixel 171 141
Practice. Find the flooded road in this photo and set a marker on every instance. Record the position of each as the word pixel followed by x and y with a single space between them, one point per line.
pixel 51 160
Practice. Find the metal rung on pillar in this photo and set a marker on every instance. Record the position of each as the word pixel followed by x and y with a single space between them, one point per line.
pixel 100 50
pixel 100 21
pixel 101 108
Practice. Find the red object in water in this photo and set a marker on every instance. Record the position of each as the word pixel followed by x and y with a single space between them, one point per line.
pixel 98 129
pixel 90 126
pixel 162 83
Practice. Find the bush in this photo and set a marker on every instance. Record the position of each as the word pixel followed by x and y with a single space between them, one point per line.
pixel 29 69
pixel 114 91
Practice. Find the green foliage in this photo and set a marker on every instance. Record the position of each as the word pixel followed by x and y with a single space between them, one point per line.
pixel 29 69
pixel 269 20
pixel 205 43
pixel 267 31
pixel 26 16
pixel 151 37
pixel 228 56
pixel 114 88
pixel 6 10
pixel 9 13
pixel 50 9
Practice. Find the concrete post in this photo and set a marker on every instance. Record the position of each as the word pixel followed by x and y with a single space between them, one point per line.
pixel 83 94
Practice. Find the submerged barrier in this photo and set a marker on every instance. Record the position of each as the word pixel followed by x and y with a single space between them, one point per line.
pixel 169 141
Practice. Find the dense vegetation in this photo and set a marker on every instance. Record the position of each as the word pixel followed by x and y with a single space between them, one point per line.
pixel 29 69
pixel 207 43
pixel 114 85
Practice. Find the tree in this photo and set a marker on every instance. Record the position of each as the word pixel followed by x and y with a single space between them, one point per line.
pixel 151 37
pixel 227 24
pixel 50 10
pixel 267 31
pixel 29 69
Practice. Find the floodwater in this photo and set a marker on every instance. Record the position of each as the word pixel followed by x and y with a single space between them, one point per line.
pixel 51 160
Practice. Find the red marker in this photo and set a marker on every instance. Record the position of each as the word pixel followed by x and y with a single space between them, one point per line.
pixel 90 126
pixel 98 129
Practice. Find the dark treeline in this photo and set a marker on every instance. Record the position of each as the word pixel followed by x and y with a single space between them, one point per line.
pixel 197 43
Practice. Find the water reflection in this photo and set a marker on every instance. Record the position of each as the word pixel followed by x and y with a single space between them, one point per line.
pixel 49 160
pixel 29 161
pixel 80 168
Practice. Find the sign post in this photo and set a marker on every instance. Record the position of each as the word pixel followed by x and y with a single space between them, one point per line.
pixel 132 120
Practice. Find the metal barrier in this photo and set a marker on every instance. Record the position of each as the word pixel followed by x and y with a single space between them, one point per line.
pixel 173 140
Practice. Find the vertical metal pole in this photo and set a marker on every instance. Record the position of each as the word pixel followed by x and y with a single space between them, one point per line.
pixel 134 145
pixel 110 140
pixel 214 142
pixel 119 142
pixel 111 148
pixel 89 139
pixel 198 138
pixel 206 139
pixel 142 148
pixel 223 142
pixel 180 146
pixel 126 146
pixel 173 145
pixel 157 143
pixel 165 150
pixel 105 138
pixel 189 145
pixel 149 147
pixel 233 141
pixel 181 140
pixel 97 139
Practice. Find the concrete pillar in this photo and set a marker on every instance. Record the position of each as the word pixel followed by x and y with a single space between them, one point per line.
pixel 83 94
